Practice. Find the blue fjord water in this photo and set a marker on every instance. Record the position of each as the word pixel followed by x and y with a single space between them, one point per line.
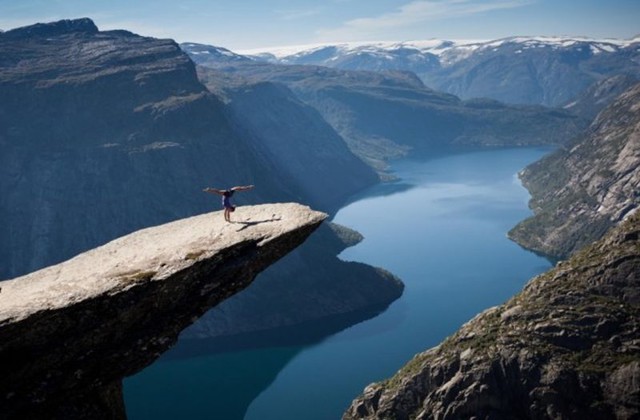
pixel 441 228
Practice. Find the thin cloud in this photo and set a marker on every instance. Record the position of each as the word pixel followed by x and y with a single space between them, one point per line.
pixel 416 12
pixel 298 14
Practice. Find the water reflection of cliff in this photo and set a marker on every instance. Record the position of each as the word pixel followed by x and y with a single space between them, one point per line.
pixel 220 377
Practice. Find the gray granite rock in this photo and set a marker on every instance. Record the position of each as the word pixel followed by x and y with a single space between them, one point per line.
pixel 566 347
pixel 578 193
pixel 69 333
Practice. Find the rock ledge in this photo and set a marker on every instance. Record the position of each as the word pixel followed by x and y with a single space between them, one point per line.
pixel 69 333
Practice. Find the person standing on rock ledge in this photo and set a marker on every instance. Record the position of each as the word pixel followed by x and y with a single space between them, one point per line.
pixel 226 198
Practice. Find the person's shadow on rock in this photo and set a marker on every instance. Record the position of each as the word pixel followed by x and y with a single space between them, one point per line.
pixel 256 222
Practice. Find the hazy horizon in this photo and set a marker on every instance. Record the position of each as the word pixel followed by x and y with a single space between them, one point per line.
pixel 251 25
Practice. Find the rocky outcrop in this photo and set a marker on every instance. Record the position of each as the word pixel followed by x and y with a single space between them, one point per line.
pixel 566 347
pixel 599 95
pixel 307 285
pixel 70 332
pixel 578 193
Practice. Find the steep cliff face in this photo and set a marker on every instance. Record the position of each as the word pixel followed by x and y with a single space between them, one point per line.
pixel 67 84
pixel 103 133
pixel 599 95
pixel 565 347
pixel 294 136
pixel 70 332
pixel 580 192
pixel 106 132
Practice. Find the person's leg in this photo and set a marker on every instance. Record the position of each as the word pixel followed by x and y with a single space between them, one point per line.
pixel 227 214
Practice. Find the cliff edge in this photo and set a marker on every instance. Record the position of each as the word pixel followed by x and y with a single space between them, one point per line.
pixel 579 193
pixel 566 347
pixel 69 333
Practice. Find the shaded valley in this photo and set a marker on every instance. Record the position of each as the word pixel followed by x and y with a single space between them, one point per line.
pixel 382 115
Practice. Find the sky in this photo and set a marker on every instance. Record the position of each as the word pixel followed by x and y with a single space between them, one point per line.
pixel 242 25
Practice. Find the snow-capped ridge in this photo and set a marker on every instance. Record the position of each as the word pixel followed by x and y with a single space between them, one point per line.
pixel 204 51
pixel 448 50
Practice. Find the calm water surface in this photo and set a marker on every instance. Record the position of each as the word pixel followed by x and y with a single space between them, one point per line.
pixel 441 228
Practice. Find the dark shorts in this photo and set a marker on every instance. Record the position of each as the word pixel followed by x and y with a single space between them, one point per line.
pixel 226 200
pixel 227 205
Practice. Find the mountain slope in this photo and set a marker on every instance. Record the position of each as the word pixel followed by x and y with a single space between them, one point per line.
pixel 578 193
pixel 384 114
pixel 536 71
pixel 565 347
pixel 293 136
pixel 523 70
pixel 117 126
pixel 102 133
pixel 597 96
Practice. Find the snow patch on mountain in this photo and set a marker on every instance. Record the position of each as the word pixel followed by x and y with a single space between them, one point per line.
pixel 434 46
pixel 196 49
pixel 447 51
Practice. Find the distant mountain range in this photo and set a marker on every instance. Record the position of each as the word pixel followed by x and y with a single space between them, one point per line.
pixel 203 54
pixel 383 114
pixel 549 71
pixel 447 52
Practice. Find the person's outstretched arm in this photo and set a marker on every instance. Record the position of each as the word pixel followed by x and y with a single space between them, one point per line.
pixel 213 191
pixel 242 188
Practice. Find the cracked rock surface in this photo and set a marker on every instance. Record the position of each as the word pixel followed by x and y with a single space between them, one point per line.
pixel 69 333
